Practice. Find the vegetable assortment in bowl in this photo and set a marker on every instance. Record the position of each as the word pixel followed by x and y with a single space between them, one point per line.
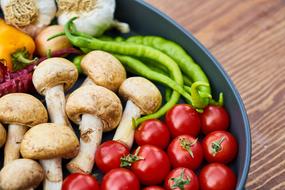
pixel 171 117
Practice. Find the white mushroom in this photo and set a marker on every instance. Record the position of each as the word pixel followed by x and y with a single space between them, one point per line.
pixel 103 69
pixel 143 97
pixel 3 135
pixel 51 78
pixel 49 141
pixel 20 111
pixel 95 109
pixel 21 174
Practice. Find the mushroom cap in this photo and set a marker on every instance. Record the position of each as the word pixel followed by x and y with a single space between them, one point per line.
pixel 47 141
pixel 104 69
pixel 22 109
pixel 95 100
pixel 142 93
pixel 3 135
pixel 21 174
pixel 52 72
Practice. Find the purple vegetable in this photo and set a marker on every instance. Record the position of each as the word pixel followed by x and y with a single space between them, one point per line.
pixel 21 81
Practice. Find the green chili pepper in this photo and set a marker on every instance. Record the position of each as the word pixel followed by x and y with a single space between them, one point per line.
pixel 168 93
pixel 119 39
pixel 156 67
pixel 143 70
pixel 220 102
pixel 137 67
pixel 163 70
pixel 177 53
pixel 106 38
pixel 77 61
pixel 195 94
pixel 136 51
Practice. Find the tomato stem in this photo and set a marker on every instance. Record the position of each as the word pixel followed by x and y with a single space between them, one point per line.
pixel 180 182
pixel 186 145
pixel 127 161
pixel 216 146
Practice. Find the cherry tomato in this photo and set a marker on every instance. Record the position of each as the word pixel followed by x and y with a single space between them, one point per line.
pixel 214 118
pixel 78 181
pixel 153 188
pixel 108 155
pixel 120 179
pixel 153 165
pixel 185 151
pixel 153 132
pixel 216 176
pixel 219 146
pixel 183 119
pixel 181 178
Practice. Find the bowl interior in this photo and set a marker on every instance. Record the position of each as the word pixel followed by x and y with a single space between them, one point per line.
pixel 146 20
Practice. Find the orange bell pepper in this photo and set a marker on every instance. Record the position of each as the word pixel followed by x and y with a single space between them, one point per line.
pixel 16 47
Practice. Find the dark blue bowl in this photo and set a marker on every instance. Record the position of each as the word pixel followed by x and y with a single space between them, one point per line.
pixel 146 20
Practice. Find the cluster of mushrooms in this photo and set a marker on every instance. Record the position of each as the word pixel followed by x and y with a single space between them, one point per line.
pixel 34 148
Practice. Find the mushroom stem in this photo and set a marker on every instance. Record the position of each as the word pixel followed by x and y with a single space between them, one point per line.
pixel 53 174
pixel 13 143
pixel 87 81
pixel 91 130
pixel 55 100
pixel 125 131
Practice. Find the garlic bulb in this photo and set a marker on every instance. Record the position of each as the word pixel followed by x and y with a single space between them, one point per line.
pixel 94 16
pixel 29 16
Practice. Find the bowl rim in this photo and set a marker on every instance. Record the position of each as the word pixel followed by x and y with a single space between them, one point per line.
pixel 228 80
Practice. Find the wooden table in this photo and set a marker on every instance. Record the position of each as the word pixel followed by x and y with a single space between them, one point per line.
pixel 248 39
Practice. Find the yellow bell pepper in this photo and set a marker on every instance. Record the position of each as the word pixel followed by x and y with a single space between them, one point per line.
pixel 16 47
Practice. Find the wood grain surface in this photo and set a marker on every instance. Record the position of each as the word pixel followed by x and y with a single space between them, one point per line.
pixel 248 39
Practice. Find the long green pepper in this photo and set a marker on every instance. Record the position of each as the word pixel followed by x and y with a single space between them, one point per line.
pixel 139 68
pixel 162 70
pixel 132 50
pixel 177 53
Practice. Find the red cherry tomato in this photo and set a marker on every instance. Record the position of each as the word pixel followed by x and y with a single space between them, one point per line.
pixel 108 155
pixel 153 188
pixel 153 165
pixel 78 181
pixel 216 176
pixel 183 119
pixel 185 151
pixel 120 179
pixel 181 178
pixel 219 146
pixel 214 118
pixel 153 132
